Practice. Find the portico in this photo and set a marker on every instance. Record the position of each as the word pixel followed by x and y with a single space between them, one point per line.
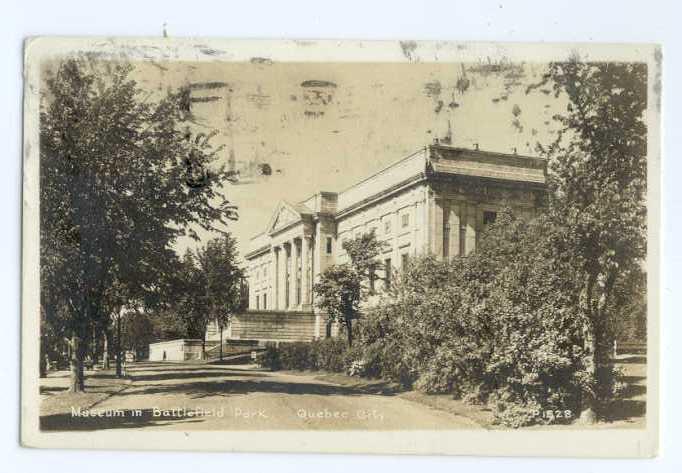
pixel 288 255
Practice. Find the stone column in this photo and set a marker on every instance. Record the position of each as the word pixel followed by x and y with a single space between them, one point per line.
pixel 272 275
pixel 292 275
pixel 454 228
pixel 276 251
pixel 438 228
pixel 283 277
pixel 305 277
pixel 472 210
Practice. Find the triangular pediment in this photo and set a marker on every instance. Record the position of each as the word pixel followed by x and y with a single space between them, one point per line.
pixel 283 216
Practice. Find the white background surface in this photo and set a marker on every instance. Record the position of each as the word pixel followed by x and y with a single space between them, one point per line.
pixel 575 20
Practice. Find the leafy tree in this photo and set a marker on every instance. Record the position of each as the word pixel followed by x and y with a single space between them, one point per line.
pixel 223 278
pixel 192 304
pixel 598 192
pixel 138 332
pixel 121 179
pixel 207 287
pixel 342 287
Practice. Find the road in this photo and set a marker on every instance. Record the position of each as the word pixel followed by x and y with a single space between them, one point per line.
pixel 182 396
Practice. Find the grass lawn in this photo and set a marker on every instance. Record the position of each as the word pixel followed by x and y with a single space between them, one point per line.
pixel 99 385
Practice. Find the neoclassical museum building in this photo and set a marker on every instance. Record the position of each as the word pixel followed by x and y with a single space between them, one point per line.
pixel 437 200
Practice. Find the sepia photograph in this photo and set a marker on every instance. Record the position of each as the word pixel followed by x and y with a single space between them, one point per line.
pixel 438 247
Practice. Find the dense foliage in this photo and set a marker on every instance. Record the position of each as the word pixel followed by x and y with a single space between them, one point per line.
pixel 598 178
pixel 121 179
pixel 330 354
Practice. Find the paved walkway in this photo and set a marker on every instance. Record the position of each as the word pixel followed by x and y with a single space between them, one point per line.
pixel 181 396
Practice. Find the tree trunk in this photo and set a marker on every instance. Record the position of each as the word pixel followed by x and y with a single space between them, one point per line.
pixel 44 361
pixel 119 361
pixel 77 381
pixel 105 350
pixel 93 345
pixel 221 341
pixel 588 401
pixel 349 330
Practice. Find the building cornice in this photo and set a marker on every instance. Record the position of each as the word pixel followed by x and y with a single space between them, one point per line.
pixel 258 251
pixel 383 194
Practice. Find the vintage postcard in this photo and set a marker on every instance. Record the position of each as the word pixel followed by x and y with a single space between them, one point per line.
pixel 341 246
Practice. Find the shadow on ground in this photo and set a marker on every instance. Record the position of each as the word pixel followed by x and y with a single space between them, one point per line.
pixel 188 374
pixel 234 387
pixel 631 407
pixel 634 359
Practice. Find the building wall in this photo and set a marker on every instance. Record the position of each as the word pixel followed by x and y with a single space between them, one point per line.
pixel 274 326
pixel 260 274
pixel 398 220
pixel 175 350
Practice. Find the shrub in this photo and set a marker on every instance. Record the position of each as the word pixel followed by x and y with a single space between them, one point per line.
pixel 510 412
pixel 503 327
pixel 270 357
pixel 296 356
pixel 329 354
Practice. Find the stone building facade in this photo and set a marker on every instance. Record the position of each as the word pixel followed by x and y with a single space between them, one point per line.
pixel 437 200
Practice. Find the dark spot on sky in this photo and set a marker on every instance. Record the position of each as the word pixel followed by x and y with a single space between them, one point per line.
pixel 313 113
pixel 433 88
pixel 265 169
pixel 318 83
pixel 207 85
pixel 211 51
pixel 212 98
pixel 264 61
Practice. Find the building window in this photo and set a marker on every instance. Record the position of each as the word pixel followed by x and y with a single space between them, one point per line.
pixel 387 270
pixel 372 279
pixel 257 302
pixel 404 260
pixel 387 226
pixel 265 301
pixel 329 245
pixel 489 217
pixel 462 239
pixel 405 220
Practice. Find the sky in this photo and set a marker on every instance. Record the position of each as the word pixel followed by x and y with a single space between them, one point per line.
pixel 325 126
